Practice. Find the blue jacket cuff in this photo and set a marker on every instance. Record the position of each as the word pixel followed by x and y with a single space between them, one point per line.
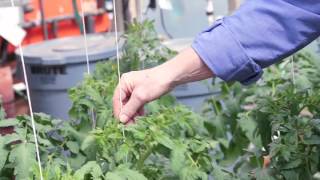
pixel 225 56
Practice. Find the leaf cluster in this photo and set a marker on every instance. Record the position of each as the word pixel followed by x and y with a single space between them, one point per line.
pixel 276 120
pixel 142 48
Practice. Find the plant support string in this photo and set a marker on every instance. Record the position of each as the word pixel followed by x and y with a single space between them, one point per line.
pixel 85 36
pixel 87 55
pixel 118 64
pixel 30 105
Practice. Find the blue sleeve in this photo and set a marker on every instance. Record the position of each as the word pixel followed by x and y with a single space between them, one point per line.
pixel 259 34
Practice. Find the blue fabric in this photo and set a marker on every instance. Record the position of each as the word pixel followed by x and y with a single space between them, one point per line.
pixel 259 34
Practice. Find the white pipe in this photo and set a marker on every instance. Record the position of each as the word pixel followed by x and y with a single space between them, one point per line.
pixel 210 12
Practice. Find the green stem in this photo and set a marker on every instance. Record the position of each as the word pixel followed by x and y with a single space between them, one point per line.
pixel 273 89
pixel 227 87
pixel 193 162
pixel 216 107
pixel 63 143
pixel 140 162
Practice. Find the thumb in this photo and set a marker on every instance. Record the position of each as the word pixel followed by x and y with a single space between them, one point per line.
pixel 130 109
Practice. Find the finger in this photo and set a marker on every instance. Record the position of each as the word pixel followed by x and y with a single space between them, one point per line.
pixel 131 108
pixel 133 120
pixel 116 101
pixel 130 122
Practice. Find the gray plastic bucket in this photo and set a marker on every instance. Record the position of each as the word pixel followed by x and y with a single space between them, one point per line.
pixel 193 94
pixel 55 66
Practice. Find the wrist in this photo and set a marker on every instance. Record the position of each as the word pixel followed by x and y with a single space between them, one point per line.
pixel 185 67
pixel 162 77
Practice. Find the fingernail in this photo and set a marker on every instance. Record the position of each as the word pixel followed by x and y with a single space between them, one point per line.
pixel 124 118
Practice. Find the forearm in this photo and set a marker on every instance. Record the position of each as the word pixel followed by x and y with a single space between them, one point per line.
pixel 186 67
pixel 259 34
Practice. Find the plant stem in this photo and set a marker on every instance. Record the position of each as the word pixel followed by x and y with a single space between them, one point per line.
pixel 193 162
pixel 140 162
pixel 216 107
pixel 273 89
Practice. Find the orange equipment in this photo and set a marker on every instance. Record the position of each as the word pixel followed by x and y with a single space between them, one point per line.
pixel 60 19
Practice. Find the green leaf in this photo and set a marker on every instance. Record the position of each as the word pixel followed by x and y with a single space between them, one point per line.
pixel 23 158
pixel 88 142
pixel 263 174
pixel 73 146
pixel 178 158
pixel 92 168
pixel 44 142
pixel 77 161
pixel 224 142
pixel 79 136
pixel 292 164
pixel 89 146
pixel 197 147
pixel 9 122
pixel 164 140
pixel 122 152
pixel 191 173
pixel 249 126
pixel 3 152
pixel 218 173
pixel 291 174
pixel 2 112
pixel 314 139
pixel 11 138
pixel 124 173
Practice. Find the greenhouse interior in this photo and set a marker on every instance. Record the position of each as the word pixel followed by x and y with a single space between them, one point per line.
pixel 159 90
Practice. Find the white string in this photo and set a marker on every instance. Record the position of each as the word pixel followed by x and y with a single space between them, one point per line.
pixel 141 19
pixel 30 105
pixel 118 64
pixel 85 36
pixel 87 55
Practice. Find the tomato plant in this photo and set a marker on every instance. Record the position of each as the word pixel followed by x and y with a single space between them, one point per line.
pixel 170 142
pixel 275 119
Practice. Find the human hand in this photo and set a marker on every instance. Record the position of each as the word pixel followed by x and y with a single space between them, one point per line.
pixel 140 87
pixel 135 90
